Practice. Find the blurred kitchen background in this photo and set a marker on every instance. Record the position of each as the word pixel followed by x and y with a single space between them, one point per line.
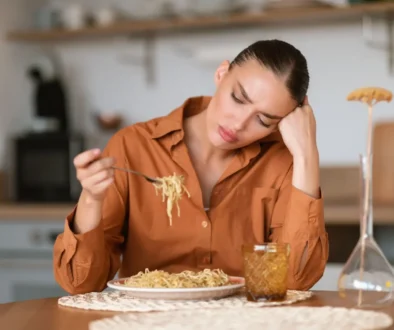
pixel 73 72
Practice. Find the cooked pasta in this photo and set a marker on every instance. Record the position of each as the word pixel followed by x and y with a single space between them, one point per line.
pixel 173 188
pixel 185 279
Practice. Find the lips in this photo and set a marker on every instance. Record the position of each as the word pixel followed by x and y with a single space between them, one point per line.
pixel 227 135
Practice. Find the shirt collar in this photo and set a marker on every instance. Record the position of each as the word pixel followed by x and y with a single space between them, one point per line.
pixel 174 121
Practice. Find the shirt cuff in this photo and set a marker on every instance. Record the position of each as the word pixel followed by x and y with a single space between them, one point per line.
pixel 312 207
pixel 83 243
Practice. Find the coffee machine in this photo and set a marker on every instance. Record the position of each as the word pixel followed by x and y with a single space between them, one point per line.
pixel 49 98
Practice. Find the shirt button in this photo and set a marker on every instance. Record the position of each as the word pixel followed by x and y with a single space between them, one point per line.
pixel 204 224
pixel 206 260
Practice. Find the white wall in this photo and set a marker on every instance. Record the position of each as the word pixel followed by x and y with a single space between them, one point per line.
pixel 14 87
pixel 338 58
pixel 98 80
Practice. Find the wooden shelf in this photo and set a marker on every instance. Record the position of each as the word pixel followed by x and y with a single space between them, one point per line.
pixel 274 16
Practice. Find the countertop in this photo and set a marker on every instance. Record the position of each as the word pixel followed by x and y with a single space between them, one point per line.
pixel 335 213
pixel 45 314
pixel 33 212
pixel 349 213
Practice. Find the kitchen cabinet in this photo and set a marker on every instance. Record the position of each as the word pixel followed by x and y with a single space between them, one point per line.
pixel 330 277
pixel 26 269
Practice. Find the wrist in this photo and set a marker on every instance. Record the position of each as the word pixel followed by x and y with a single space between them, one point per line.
pixel 88 213
pixel 306 173
pixel 307 156
pixel 88 200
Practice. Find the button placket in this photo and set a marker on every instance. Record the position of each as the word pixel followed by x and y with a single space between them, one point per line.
pixel 204 257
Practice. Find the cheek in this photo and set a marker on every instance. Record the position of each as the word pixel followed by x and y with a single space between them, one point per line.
pixel 255 132
pixel 225 107
pixel 215 112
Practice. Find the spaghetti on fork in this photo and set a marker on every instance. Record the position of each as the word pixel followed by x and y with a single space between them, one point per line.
pixel 172 187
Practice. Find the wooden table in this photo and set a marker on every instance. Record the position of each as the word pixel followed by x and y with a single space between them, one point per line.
pixel 45 314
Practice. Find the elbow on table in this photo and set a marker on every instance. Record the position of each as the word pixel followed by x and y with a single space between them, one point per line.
pixel 306 279
pixel 74 287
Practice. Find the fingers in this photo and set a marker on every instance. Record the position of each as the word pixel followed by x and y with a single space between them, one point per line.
pixel 94 173
pixel 103 185
pixel 92 181
pixel 97 190
pixel 96 183
pixel 98 166
pixel 85 158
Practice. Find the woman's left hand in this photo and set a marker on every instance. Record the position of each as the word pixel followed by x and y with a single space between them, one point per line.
pixel 298 130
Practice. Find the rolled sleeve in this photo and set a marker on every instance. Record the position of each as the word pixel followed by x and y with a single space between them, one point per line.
pixel 310 212
pixel 83 243
pixel 80 258
pixel 85 262
pixel 298 220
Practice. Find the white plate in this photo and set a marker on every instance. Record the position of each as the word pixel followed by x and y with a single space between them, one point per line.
pixel 180 294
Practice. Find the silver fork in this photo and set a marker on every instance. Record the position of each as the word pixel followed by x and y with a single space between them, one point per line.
pixel 147 178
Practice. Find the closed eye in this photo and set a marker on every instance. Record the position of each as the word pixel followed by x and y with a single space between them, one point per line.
pixel 236 99
pixel 263 123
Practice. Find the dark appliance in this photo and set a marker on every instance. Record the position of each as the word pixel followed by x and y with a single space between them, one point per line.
pixel 49 96
pixel 44 167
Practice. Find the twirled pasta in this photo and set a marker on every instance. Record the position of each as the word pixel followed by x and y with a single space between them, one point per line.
pixel 173 188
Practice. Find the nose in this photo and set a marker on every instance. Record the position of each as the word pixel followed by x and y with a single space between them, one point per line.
pixel 241 119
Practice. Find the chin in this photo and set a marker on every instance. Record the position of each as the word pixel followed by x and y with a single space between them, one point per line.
pixel 226 146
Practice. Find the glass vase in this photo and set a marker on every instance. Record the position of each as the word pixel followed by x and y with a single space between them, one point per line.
pixel 367 279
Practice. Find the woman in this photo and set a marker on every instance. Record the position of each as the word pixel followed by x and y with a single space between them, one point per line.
pixel 251 165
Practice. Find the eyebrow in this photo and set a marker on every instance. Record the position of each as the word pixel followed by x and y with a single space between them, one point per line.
pixel 247 98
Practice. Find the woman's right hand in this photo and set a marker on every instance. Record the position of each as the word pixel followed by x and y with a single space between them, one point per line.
pixel 94 173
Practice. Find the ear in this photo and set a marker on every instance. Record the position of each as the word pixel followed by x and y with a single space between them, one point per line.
pixel 221 71
pixel 306 100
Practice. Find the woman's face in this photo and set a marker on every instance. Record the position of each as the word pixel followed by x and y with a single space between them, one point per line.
pixel 248 104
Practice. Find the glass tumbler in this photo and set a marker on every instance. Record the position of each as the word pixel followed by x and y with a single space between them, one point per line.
pixel 265 271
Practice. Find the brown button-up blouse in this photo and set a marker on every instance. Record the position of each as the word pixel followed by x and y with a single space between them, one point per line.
pixel 253 202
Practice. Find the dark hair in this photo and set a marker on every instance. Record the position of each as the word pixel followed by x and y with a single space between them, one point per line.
pixel 282 59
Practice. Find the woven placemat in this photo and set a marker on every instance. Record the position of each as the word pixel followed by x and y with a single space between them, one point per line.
pixel 122 302
pixel 279 318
